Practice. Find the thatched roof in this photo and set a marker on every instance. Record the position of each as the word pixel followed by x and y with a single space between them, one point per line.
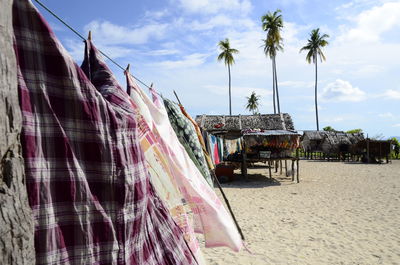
pixel 221 124
pixel 314 135
pixel 333 137
pixel 270 133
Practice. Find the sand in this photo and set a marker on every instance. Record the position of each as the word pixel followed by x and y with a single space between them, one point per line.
pixel 339 213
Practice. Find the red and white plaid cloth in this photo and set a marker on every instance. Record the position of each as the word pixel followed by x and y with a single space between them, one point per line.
pixel 86 178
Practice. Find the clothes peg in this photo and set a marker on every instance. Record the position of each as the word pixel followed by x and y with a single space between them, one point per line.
pixel 128 67
pixel 89 35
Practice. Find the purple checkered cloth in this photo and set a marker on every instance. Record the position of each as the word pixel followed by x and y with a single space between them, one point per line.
pixel 86 177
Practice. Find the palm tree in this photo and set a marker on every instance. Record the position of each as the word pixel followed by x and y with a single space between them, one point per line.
pixel 253 102
pixel 314 45
pixel 227 56
pixel 272 23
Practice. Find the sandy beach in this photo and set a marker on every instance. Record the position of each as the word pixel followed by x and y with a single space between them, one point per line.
pixel 339 213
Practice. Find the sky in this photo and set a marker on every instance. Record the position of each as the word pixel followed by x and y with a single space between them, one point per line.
pixel 173 44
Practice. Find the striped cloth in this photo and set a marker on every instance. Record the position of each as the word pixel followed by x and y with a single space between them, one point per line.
pixel 87 182
pixel 161 176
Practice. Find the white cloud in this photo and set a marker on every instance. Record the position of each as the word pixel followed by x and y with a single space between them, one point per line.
pixel 191 60
pixel 341 90
pixel 238 91
pixel 392 94
pixel 396 125
pixel 76 49
pixel 108 33
pixel 216 21
pixel 214 6
pixel 296 84
pixel 372 23
pixel 162 52
pixel 386 115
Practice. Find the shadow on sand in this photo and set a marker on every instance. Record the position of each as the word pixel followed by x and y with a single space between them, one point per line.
pixel 253 181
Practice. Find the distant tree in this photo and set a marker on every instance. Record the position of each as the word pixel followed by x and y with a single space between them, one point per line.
pixel 272 23
pixel 314 45
pixel 328 128
pixel 227 55
pixel 396 148
pixel 355 131
pixel 253 102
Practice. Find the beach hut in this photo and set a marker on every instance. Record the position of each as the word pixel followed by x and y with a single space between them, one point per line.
pixel 311 142
pixel 266 138
pixel 373 151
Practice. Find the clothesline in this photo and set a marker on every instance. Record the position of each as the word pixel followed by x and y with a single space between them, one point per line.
pixel 104 54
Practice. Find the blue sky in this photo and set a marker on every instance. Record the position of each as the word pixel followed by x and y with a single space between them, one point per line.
pixel 173 43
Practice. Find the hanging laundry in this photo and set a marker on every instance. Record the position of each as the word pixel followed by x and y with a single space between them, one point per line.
pixel 210 216
pixel 160 174
pixel 214 148
pixel 200 138
pixel 86 178
pixel 187 136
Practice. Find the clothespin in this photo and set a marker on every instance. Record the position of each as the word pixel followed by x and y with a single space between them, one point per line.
pixel 89 35
pixel 128 68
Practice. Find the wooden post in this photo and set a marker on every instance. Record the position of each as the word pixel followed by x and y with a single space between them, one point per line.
pixel 269 168
pixel 297 169
pixel 367 149
pixel 286 168
pixel 292 170
pixel 280 166
pixel 244 160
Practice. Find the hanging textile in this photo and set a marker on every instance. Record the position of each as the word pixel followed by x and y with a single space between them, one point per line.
pixel 210 216
pixel 214 148
pixel 87 182
pixel 160 174
pixel 200 137
pixel 187 136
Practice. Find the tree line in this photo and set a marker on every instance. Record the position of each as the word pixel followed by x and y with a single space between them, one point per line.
pixel 272 24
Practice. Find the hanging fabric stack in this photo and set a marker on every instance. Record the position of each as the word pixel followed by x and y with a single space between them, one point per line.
pixel 210 164
pixel 87 180
pixel 187 136
pixel 160 174
pixel 210 216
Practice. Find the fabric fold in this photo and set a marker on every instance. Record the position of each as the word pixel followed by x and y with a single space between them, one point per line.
pixel 86 178
pixel 155 157
pixel 210 216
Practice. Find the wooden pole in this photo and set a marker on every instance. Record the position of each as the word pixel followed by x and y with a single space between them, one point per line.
pixel 177 98
pixel 269 168
pixel 227 204
pixel 292 170
pixel 367 149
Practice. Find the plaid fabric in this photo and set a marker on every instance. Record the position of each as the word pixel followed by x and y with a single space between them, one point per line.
pixel 210 216
pixel 87 182
pixel 187 136
pixel 161 176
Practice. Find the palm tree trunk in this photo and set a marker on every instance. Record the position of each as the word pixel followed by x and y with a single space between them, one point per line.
pixel 316 96
pixel 273 85
pixel 276 87
pixel 230 103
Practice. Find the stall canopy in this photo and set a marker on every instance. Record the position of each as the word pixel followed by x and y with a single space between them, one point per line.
pixel 231 127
